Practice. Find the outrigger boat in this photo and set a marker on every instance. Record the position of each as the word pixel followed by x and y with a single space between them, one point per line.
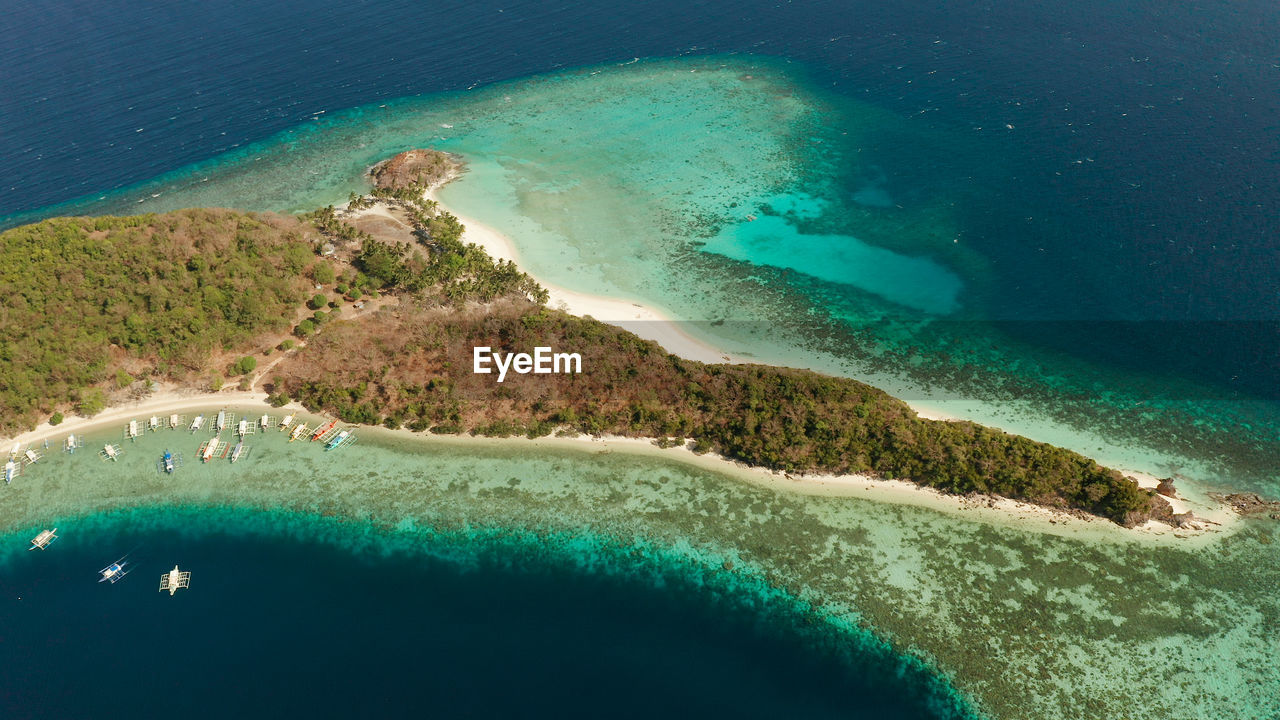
pixel 243 428
pixel 114 572
pixel 30 456
pixel 285 422
pixel 169 462
pixel 298 432
pixel 221 424
pixel 265 422
pixel 153 424
pixel 132 430
pixel 343 438
pixel 174 421
pixel 10 471
pixel 197 422
pixel 175 580
pixel 321 432
pixel 239 451
pixel 211 449
pixel 73 443
pixel 110 452
pixel 44 539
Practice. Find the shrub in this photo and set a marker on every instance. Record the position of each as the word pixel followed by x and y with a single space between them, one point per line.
pixel 317 301
pixel 123 379
pixel 278 400
pixel 91 402
pixel 322 272
pixel 305 328
pixel 246 365
pixel 56 419
pixel 286 345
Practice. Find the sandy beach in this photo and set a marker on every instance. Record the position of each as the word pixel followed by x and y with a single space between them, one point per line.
pixel 1003 511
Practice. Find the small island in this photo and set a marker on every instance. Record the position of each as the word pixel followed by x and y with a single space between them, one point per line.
pixel 371 312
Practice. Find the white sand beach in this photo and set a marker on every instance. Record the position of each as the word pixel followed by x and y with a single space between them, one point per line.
pixel 1002 511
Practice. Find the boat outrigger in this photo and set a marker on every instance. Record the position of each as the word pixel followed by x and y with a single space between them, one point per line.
pixel 285 422
pixel 30 457
pixel 323 430
pixel 341 439
pixel 298 431
pixel 169 462
pixel 114 572
pixel 44 539
pixel 110 452
pixel 73 443
pixel 212 448
pixel 175 580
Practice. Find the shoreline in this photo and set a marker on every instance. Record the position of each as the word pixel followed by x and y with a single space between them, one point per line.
pixel 1001 511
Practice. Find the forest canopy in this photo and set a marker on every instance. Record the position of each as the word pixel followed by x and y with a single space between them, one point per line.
pixel 80 295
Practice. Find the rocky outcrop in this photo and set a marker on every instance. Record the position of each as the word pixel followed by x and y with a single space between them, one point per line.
pixel 1166 488
pixel 1250 504
pixel 1157 509
pixel 413 167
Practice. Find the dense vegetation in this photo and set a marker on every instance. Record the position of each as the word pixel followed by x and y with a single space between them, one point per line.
pixel 412 367
pixel 84 297
pixel 95 303
pixel 437 265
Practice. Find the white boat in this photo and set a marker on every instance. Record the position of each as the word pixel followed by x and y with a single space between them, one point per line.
pixel 207 453
pixel 237 452
pixel 133 429
pixel 195 424
pixel 222 421
pixel 174 580
pixel 298 432
pixel 285 422
pixel 173 420
pixel 242 428
pixel 31 456
pixel 72 443
pixel 265 422
pixel 10 472
pixel 43 540
pixel 114 572
pixel 153 424
pixel 110 452
pixel 17 450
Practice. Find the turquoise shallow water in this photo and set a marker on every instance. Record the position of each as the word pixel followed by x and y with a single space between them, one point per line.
pixel 641 182
pixel 1031 624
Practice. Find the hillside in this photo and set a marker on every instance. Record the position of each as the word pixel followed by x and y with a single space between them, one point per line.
pixel 92 302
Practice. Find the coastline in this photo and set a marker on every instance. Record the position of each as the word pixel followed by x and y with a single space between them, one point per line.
pixel 644 321
pixel 1000 511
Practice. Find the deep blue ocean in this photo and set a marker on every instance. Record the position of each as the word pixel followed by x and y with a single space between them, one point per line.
pixel 285 626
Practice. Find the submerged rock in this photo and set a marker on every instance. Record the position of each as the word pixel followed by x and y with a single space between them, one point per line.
pixel 1249 504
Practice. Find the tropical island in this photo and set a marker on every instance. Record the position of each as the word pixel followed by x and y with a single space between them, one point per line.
pixel 371 311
